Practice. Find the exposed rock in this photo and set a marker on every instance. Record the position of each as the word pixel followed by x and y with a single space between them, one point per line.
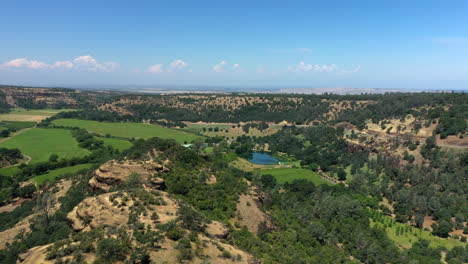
pixel 115 172
pixel 35 255
pixel 97 211
pixel 211 179
pixel 100 211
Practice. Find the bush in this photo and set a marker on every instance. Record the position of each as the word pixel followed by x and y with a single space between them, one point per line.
pixel 110 250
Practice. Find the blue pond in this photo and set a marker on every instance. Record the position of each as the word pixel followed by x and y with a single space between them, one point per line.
pixel 262 158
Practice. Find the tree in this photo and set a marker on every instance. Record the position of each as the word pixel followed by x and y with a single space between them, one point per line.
pixel 191 218
pixel 110 250
pixel 341 175
pixel 443 229
pixel 268 181
pixel 419 220
pixel 45 204
pixel 53 157
pixel 4 133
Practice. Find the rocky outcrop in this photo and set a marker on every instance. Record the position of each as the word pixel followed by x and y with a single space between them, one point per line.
pixel 115 172
pixel 93 212
pixel 113 210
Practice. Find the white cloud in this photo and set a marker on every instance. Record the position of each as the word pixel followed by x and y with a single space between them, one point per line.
pixel 304 67
pixel 352 70
pixel 84 62
pixel 237 68
pixel 63 64
pixel 25 63
pixel 157 68
pixel 219 67
pixel 90 63
pixel 178 64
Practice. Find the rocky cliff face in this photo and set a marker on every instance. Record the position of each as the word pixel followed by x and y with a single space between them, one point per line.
pixel 116 172
pixel 143 217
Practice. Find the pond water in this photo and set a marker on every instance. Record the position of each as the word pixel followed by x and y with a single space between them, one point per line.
pixel 262 158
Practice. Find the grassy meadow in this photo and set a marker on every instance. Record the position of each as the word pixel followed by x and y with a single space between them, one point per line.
pixel 30 115
pixel 9 171
pixel 40 143
pixel 128 130
pixel 51 175
pixel 284 175
pixel 116 143
pixel 16 124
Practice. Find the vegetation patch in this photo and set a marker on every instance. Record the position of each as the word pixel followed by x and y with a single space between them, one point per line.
pixel 40 143
pixel 9 171
pixel 16 125
pixel 405 235
pixel 116 143
pixel 128 130
pixel 284 175
pixel 50 176
pixel 34 115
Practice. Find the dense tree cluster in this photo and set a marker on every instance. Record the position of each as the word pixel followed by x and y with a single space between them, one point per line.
pixel 9 156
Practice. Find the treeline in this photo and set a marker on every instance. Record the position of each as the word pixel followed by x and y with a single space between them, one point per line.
pixel 320 147
pixel 9 156
pixel 326 224
pixel 437 189
pixel 276 108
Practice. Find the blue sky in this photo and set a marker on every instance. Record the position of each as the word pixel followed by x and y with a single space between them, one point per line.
pixel 361 44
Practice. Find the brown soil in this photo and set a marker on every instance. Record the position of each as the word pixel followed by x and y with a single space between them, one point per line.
pixel 453 141
pixel 12 206
pixel 248 212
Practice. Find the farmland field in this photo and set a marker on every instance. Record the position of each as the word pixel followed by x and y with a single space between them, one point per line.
pixel 16 124
pixel 21 114
pixel 284 175
pixel 116 143
pixel 51 175
pixel 40 143
pixel 128 130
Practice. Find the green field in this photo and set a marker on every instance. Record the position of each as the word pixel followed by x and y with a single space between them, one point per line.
pixel 128 130
pixel 116 143
pixel 41 112
pixel 40 143
pixel 284 175
pixel 16 124
pixel 34 115
pixel 51 175
pixel 409 234
pixel 9 171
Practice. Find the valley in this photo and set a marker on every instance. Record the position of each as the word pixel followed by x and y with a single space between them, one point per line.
pixel 106 177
